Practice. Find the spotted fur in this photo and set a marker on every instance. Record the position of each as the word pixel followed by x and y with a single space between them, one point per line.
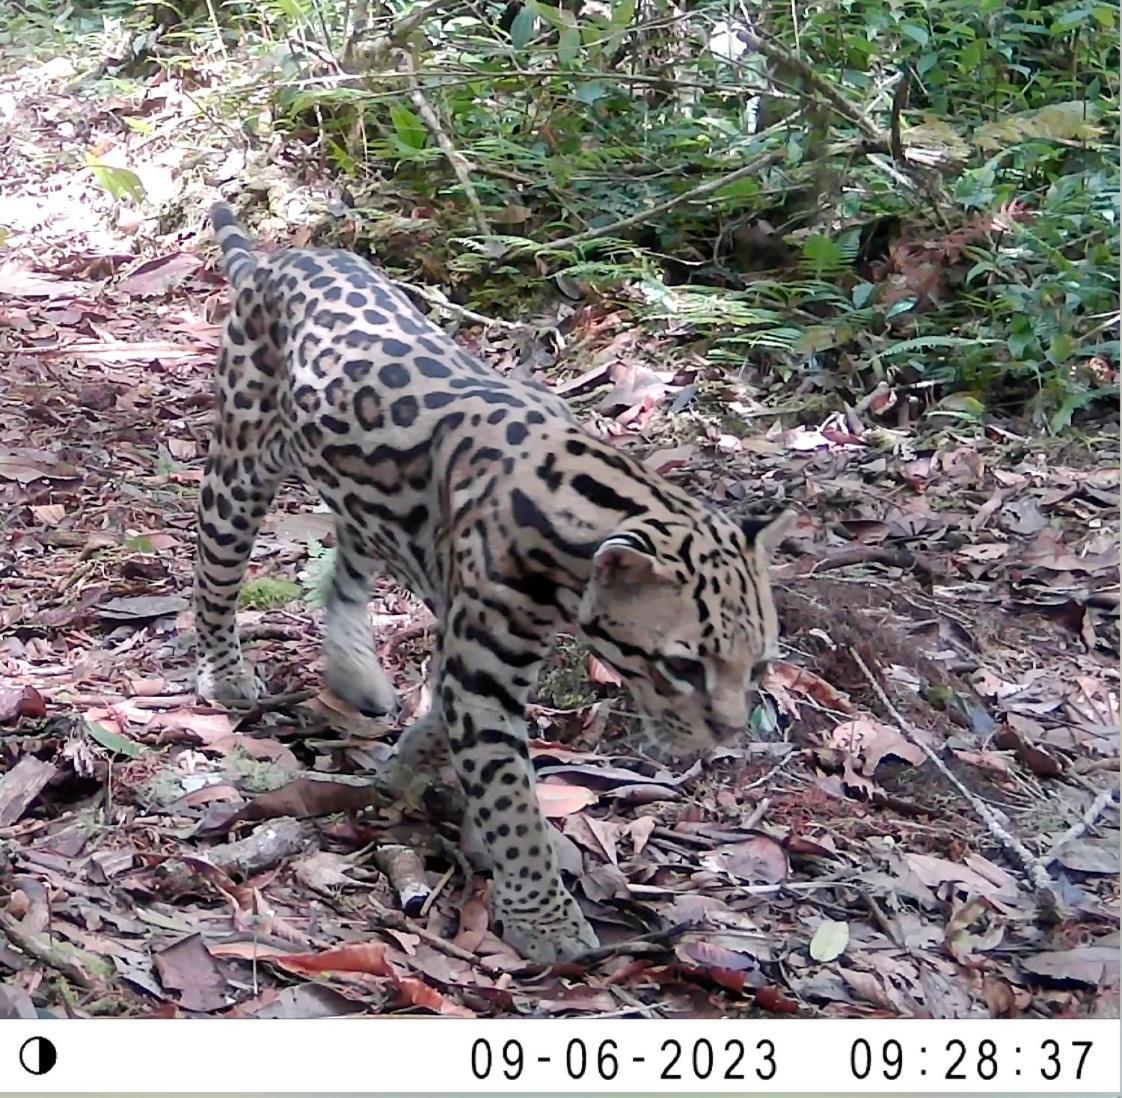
pixel 485 497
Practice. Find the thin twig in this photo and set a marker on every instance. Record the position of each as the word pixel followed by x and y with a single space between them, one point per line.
pixel 395 920
pixel 269 703
pixel 1080 828
pixel 217 29
pixel 765 779
pixel 1034 868
pixel 758 812
pixel 841 105
pixel 438 301
pixel 407 24
pixel 654 942
pixel 753 167
pixel 455 158
pixel 437 889
pixel 899 100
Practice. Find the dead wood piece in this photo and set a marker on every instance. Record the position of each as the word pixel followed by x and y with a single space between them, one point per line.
pixel 21 785
pixel 406 873
pixel 80 968
pixel 264 847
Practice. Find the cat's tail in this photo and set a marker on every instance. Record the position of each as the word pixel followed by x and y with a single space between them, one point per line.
pixel 238 260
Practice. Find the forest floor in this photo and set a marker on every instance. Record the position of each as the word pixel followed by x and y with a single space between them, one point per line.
pixel 923 823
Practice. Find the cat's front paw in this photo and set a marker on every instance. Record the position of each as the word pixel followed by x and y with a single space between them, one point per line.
pixel 229 686
pixel 557 931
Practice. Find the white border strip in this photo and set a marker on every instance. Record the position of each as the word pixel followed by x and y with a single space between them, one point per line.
pixel 561 1056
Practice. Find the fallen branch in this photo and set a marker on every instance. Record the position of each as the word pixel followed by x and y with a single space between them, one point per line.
pixel 455 158
pixel 654 942
pixel 82 969
pixel 1034 867
pixel 872 554
pixel 268 703
pixel 1080 828
pixel 262 848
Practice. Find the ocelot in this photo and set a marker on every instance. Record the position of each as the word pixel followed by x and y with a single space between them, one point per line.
pixel 485 497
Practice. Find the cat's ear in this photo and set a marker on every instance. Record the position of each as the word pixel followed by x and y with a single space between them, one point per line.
pixel 767 534
pixel 619 563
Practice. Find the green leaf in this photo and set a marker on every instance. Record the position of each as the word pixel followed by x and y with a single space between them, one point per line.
pixel 409 128
pixel 1021 341
pixel 966 405
pixel 524 27
pixel 743 188
pixel 822 253
pixel 900 307
pixel 1070 20
pixel 592 91
pixel 1061 348
pixel 861 294
pixel 974 188
pixel 829 941
pixel 568 40
pixel 116 182
pixel 622 15
pixel 818 337
pixel 915 32
pixel 111 741
pixel 972 55
pixel 763 722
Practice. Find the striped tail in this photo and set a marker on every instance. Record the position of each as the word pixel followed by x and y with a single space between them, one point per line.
pixel 238 260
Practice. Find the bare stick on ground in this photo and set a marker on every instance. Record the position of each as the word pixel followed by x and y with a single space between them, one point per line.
pixel 1034 868
pixel 1080 828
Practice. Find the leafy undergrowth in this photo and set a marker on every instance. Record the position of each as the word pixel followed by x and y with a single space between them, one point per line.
pixel 950 604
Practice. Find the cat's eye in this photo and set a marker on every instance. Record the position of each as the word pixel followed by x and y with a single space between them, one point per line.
pixel 685 670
